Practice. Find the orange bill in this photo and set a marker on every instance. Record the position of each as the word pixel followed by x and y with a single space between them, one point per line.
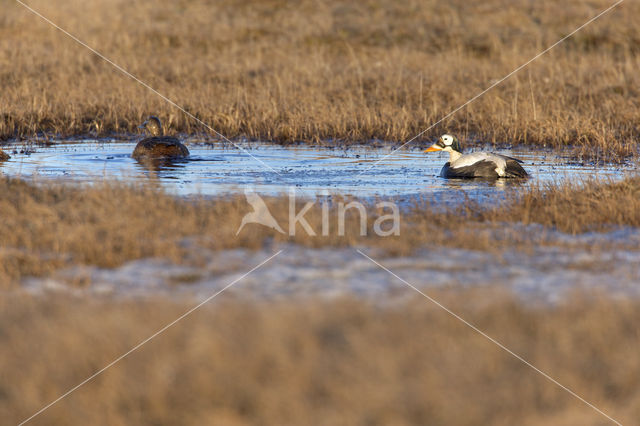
pixel 433 148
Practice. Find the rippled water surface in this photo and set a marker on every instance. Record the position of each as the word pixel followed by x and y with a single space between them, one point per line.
pixel 272 169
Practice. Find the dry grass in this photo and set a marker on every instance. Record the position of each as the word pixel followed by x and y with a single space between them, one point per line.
pixel 580 207
pixel 48 226
pixel 45 227
pixel 317 71
pixel 571 207
pixel 340 362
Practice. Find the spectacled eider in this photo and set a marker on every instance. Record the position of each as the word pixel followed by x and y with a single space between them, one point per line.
pixel 4 156
pixel 477 164
pixel 158 145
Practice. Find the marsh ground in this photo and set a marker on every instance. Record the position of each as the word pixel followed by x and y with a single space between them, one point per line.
pixel 345 359
pixel 49 226
pixel 330 73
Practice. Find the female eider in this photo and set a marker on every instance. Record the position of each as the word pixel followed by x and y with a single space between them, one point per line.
pixel 477 164
pixel 4 156
pixel 158 145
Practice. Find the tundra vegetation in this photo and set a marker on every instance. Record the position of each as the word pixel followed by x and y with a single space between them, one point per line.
pixel 328 72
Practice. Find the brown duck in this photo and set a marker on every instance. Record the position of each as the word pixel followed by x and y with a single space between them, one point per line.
pixel 4 156
pixel 158 145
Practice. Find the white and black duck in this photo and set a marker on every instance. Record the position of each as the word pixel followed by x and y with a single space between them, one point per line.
pixel 476 165
pixel 157 145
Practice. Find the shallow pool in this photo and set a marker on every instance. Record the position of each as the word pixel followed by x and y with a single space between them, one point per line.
pixel 215 169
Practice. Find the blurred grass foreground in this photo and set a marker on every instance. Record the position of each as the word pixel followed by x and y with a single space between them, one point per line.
pixel 340 362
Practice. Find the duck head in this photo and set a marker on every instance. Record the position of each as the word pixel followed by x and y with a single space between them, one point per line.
pixel 446 143
pixel 153 126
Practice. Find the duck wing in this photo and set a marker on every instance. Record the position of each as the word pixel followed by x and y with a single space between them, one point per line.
pixel 482 169
pixel 484 165
pixel 514 169
pixel 507 158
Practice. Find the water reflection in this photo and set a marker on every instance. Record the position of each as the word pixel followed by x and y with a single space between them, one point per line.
pixel 156 166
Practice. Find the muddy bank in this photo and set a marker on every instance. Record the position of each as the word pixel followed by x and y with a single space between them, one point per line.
pixel 543 273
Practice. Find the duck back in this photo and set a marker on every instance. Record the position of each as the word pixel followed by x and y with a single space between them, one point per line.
pixel 160 147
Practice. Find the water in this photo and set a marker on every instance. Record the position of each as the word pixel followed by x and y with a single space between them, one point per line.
pixel 214 169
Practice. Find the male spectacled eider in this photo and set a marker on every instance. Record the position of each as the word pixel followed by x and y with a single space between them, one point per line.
pixel 477 164
pixel 158 145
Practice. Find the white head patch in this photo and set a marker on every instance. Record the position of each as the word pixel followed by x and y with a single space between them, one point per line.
pixel 447 139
